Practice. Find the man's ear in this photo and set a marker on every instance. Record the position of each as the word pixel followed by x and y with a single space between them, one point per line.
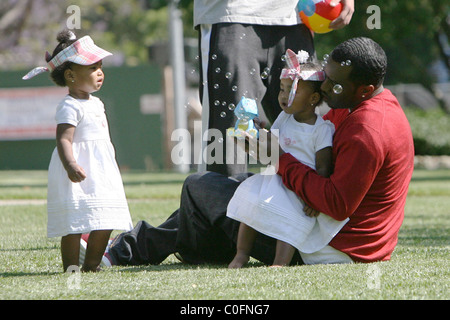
pixel 365 91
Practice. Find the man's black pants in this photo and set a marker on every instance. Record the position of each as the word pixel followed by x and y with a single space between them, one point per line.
pixel 199 230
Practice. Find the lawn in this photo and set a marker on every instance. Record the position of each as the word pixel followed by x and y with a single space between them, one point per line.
pixel 30 264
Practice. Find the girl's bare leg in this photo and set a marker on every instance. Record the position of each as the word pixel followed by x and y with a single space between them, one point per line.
pixel 96 246
pixel 70 250
pixel 283 255
pixel 246 238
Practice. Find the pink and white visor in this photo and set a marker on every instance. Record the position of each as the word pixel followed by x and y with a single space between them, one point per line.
pixel 294 72
pixel 83 52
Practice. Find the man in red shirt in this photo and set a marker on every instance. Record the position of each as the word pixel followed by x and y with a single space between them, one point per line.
pixel 373 162
pixel 373 155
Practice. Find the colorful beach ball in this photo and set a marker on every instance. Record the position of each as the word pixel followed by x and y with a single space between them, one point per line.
pixel 317 14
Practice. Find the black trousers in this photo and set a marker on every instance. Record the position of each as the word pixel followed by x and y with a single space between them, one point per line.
pixel 199 230
pixel 245 60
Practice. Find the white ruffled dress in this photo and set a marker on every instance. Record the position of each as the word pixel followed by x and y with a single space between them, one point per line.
pixel 98 202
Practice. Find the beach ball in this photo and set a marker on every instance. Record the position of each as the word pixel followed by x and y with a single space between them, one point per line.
pixel 317 14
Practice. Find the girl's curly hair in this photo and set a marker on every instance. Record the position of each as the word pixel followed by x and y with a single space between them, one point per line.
pixel 65 38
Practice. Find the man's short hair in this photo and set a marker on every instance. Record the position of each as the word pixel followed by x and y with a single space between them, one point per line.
pixel 367 58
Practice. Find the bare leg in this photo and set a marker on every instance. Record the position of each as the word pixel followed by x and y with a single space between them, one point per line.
pixel 284 254
pixel 97 243
pixel 70 250
pixel 245 240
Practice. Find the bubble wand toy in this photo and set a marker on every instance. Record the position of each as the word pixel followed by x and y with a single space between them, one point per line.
pixel 245 111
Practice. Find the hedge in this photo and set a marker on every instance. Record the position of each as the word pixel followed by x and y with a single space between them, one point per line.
pixel 431 131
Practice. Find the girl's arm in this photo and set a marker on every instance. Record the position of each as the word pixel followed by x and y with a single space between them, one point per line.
pixel 324 162
pixel 324 167
pixel 64 139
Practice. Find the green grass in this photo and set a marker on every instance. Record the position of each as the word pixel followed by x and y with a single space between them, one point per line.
pixel 30 263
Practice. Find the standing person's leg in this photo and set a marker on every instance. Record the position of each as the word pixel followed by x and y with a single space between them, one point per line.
pixel 70 250
pixel 231 57
pixel 279 39
pixel 241 60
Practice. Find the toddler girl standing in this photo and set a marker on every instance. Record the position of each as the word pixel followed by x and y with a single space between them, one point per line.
pixel 85 189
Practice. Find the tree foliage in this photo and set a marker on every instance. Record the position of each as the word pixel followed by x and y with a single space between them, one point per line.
pixel 408 35
pixel 408 30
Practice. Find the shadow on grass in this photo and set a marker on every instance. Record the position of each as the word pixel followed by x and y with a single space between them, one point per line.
pixel 28 249
pixel 423 237
pixel 27 274
pixel 170 266
pixel 126 183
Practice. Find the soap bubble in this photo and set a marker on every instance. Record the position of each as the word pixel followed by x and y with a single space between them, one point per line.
pixel 224 103
pixel 214 57
pixel 326 56
pixel 228 75
pixel 337 89
pixel 217 70
pixel 348 63
pixel 252 71
pixel 217 103
pixel 283 57
pixel 216 86
pixel 265 73
pixel 234 88
pixel 231 106
pixel 223 114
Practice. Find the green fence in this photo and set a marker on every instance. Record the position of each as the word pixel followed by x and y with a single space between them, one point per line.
pixel 136 134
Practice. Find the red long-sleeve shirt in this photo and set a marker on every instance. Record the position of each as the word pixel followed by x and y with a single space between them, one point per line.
pixel 373 156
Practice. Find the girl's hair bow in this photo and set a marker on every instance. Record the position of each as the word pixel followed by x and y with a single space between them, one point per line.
pixel 294 71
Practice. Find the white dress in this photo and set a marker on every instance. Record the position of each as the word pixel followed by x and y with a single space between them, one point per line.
pixel 98 202
pixel 265 204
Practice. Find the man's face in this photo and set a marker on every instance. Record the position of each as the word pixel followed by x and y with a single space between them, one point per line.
pixel 337 89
